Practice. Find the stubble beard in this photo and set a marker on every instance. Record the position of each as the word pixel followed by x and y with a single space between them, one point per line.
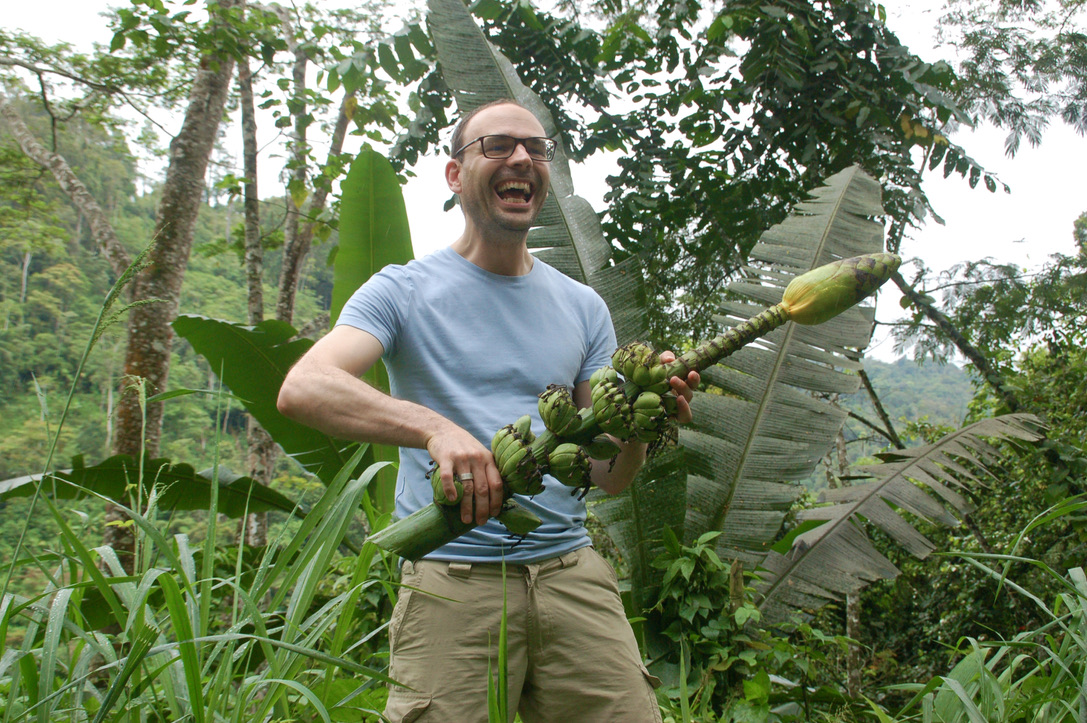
pixel 498 227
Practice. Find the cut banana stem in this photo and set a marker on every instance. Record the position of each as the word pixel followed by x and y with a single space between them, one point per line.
pixel 811 298
pixel 435 525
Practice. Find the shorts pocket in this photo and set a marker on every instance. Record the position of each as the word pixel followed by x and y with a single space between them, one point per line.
pixel 400 613
pixel 653 680
pixel 405 706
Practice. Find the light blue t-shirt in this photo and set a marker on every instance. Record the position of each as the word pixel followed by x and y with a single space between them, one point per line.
pixel 478 348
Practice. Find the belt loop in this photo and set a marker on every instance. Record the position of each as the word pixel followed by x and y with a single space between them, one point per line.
pixel 407 567
pixel 569 559
pixel 460 569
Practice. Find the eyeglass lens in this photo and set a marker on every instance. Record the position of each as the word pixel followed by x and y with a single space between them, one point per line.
pixel 541 149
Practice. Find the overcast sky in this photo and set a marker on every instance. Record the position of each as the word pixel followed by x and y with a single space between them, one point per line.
pixel 1023 227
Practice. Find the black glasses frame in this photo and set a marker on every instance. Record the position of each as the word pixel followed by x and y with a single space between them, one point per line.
pixel 550 146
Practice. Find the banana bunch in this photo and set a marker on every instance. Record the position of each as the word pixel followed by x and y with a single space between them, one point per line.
pixel 512 450
pixel 612 409
pixel 559 413
pixel 570 464
pixel 638 363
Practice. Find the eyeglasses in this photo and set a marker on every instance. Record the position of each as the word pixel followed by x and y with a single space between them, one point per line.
pixel 497 147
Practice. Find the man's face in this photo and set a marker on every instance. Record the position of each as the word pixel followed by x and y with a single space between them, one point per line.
pixel 505 195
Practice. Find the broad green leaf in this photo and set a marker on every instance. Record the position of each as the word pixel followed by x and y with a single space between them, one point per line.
pixel 374 232
pixel 768 429
pixel 183 487
pixel 374 228
pixel 254 361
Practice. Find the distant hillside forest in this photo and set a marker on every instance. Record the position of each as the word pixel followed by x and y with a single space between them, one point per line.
pixel 913 391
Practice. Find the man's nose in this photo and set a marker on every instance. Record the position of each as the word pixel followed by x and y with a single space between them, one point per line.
pixel 520 156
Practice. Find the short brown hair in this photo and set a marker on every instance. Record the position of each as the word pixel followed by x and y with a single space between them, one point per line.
pixel 457 140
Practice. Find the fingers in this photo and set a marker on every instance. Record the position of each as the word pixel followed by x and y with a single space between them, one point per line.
pixel 496 497
pixel 462 458
pixel 684 389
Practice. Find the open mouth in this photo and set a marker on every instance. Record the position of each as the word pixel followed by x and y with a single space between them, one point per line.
pixel 514 191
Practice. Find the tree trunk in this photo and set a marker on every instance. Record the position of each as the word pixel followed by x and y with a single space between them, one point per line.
pixel 890 432
pixel 853 656
pixel 254 251
pixel 261 449
pixel 294 251
pixel 149 332
pixel 27 257
pixel 101 228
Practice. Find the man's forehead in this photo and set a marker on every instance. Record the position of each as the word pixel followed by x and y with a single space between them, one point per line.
pixel 504 118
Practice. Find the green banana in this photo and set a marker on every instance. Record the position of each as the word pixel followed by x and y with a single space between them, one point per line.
pixel 559 413
pixel 603 374
pixel 571 465
pixel 512 458
pixel 612 409
pixel 523 426
pixel 439 491
pixel 602 447
pixel 517 519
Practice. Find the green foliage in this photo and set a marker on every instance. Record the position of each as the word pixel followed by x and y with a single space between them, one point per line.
pixel 731 668
pixel 715 147
pixel 1022 63
pixel 197 631
pixel 1031 327
pixel 182 488
pixel 1034 675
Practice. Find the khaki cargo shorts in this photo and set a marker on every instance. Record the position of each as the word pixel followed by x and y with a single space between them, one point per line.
pixel 571 653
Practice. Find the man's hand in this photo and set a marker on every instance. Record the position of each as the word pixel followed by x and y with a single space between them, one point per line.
pixel 460 455
pixel 684 389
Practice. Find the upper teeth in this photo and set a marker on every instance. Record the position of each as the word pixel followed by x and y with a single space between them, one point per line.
pixel 511 185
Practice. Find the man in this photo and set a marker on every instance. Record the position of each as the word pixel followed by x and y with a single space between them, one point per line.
pixel 470 335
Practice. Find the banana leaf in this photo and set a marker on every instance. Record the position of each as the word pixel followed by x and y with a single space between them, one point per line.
pixel 568 234
pixel 253 361
pixel 373 232
pixel 183 488
pixel 837 558
pixel 768 429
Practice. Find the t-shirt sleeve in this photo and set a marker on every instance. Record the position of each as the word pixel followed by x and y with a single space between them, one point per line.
pixel 378 306
pixel 601 338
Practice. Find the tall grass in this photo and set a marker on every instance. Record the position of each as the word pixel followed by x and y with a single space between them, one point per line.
pixel 1034 676
pixel 186 637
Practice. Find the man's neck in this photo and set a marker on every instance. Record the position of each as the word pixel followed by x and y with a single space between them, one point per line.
pixel 506 257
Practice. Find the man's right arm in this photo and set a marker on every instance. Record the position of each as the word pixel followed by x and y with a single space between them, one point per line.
pixel 323 391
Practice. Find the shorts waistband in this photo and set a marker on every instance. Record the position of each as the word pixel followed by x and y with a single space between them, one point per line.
pixel 494 569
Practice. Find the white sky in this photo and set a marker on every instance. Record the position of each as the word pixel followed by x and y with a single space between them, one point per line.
pixel 1023 227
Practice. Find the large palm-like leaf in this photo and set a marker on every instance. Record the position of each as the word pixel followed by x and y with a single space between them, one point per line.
pixel 768 429
pixel 374 233
pixel 182 487
pixel 568 234
pixel 837 558
pixel 253 361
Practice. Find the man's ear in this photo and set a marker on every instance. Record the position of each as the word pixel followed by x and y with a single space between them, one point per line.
pixel 452 175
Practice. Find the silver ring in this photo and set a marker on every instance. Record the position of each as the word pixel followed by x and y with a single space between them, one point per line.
pixel 465 477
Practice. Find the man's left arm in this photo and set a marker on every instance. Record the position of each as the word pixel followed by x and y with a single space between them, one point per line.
pixel 614 478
